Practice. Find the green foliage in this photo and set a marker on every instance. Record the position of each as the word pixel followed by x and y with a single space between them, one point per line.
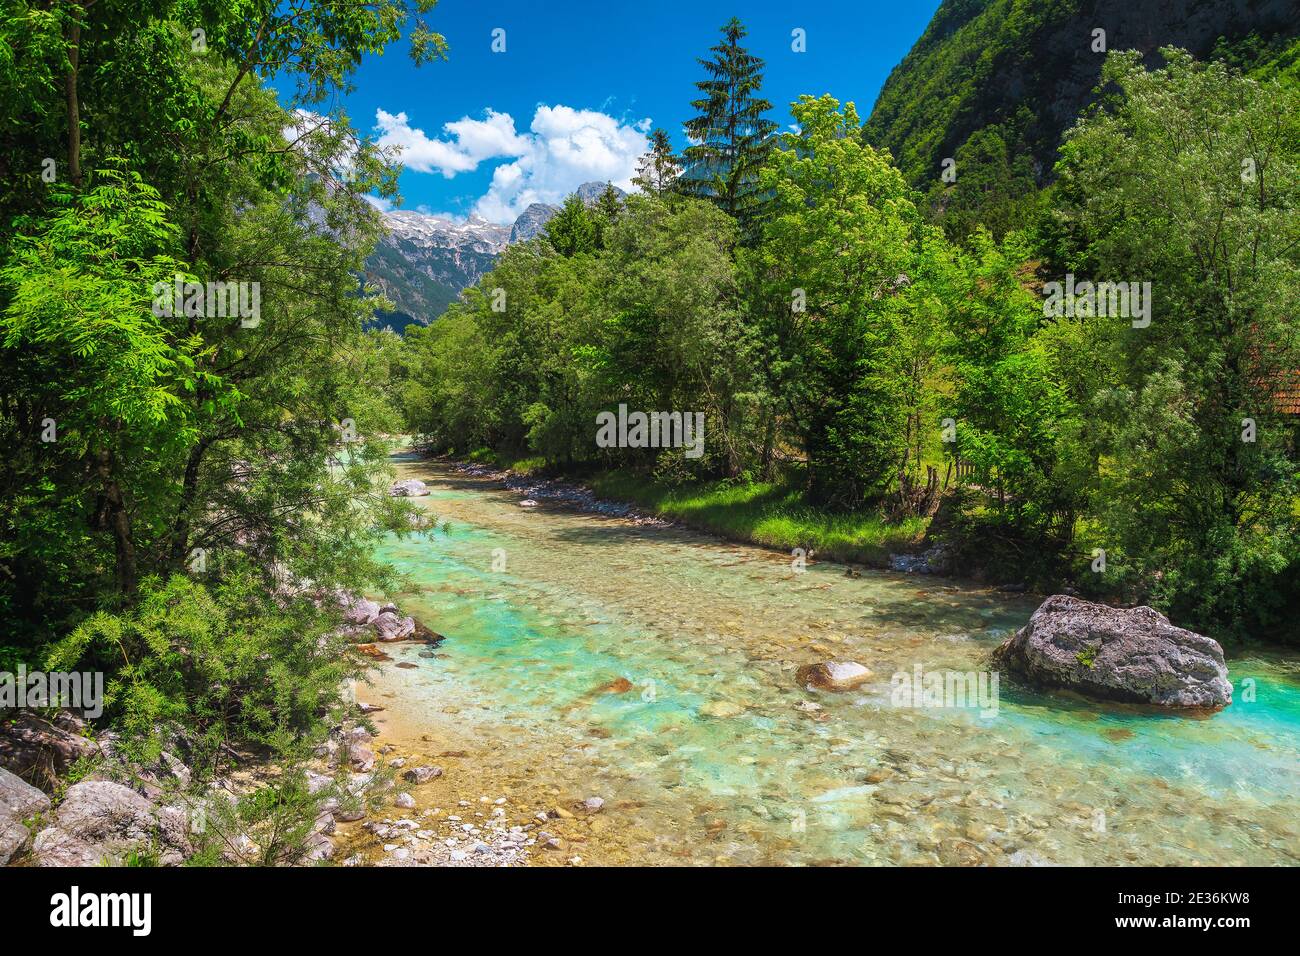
pixel 1189 181
pixel 573 230
pixel 181 495
pixel 731 135
pixel 234 665
pixel 841 240
pixel 658 169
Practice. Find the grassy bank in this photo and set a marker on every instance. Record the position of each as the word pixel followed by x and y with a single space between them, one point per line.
pixel 772 515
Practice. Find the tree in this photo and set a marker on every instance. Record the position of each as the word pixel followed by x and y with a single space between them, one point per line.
pixel 731 136
pixel 573 230
pixel 837 250
pixel 1189 181
pixel 657 170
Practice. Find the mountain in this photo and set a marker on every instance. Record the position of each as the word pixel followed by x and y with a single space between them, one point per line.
pixel 532 221
pixel 424 262
pixel 1019 73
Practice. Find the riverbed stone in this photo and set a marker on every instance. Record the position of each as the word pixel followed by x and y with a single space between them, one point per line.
pixel 361 757
pixel 833 675
pixel 1133 655
pixel 422 774
pixel 359 611
pixel 409 488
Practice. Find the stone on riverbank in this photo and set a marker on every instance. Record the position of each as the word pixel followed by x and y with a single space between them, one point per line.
pixel 1132 655
pixel 422 774
pixel 39 749
pixel 18 801
pixel 833 675
pixel 101 821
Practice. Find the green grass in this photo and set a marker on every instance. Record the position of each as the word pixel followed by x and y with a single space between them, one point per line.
pixel 772 515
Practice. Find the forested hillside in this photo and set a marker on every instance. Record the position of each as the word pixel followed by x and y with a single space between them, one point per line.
pixel 994 84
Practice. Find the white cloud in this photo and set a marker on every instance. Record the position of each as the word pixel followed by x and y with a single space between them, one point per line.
pixel 563 149
pixel 381 203
pixel 470 142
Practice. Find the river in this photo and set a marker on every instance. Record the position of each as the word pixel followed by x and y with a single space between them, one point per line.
pixel 655 668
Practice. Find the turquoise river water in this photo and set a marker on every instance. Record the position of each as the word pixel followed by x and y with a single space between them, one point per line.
pixel 654 667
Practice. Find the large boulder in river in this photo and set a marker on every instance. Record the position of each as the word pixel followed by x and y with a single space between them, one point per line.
pixel 833 675
pixel 1132 655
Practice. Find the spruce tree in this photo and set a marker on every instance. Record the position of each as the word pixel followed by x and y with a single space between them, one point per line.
pixel 657 170
pixel 731 136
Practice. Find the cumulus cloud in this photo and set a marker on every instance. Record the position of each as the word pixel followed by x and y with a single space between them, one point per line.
pixel 562 149
pixel 468 143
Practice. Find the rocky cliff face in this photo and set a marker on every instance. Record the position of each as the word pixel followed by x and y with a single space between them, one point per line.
pixel 1031 68
pixel 424 261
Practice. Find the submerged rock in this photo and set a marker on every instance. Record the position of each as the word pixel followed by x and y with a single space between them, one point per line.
pixel 1132 655
pixel 833 675
pixel 722 708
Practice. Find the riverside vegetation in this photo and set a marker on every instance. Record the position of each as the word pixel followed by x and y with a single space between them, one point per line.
pixel 186 496
pixel 859 369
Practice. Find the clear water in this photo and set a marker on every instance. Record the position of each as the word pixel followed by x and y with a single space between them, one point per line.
pixel 707 757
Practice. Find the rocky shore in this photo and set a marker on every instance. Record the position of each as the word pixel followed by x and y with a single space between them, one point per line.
pixel 548 489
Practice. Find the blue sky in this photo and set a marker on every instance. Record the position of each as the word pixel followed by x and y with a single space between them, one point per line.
pixel 580 83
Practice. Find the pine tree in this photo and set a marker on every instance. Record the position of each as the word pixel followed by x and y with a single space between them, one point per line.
pixel 572 230
pixel 657 170
pixel 731 137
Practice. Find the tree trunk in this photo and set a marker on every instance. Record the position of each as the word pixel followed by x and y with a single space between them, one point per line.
pixel 189 486
pixel 119 523
pixel 74 108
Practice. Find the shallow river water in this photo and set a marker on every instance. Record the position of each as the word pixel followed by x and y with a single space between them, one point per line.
pixel 655 668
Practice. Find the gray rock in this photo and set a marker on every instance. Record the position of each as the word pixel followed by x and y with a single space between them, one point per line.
pixel 1133 655
pixel 358 611
pixel 405 801
pixel 100 821
pixel 390 627
pixel 422 774
pixel 410 488
pixel 361 757
pixel 19 799
pixel 14 839
pixel 319 848
pixel 36 748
